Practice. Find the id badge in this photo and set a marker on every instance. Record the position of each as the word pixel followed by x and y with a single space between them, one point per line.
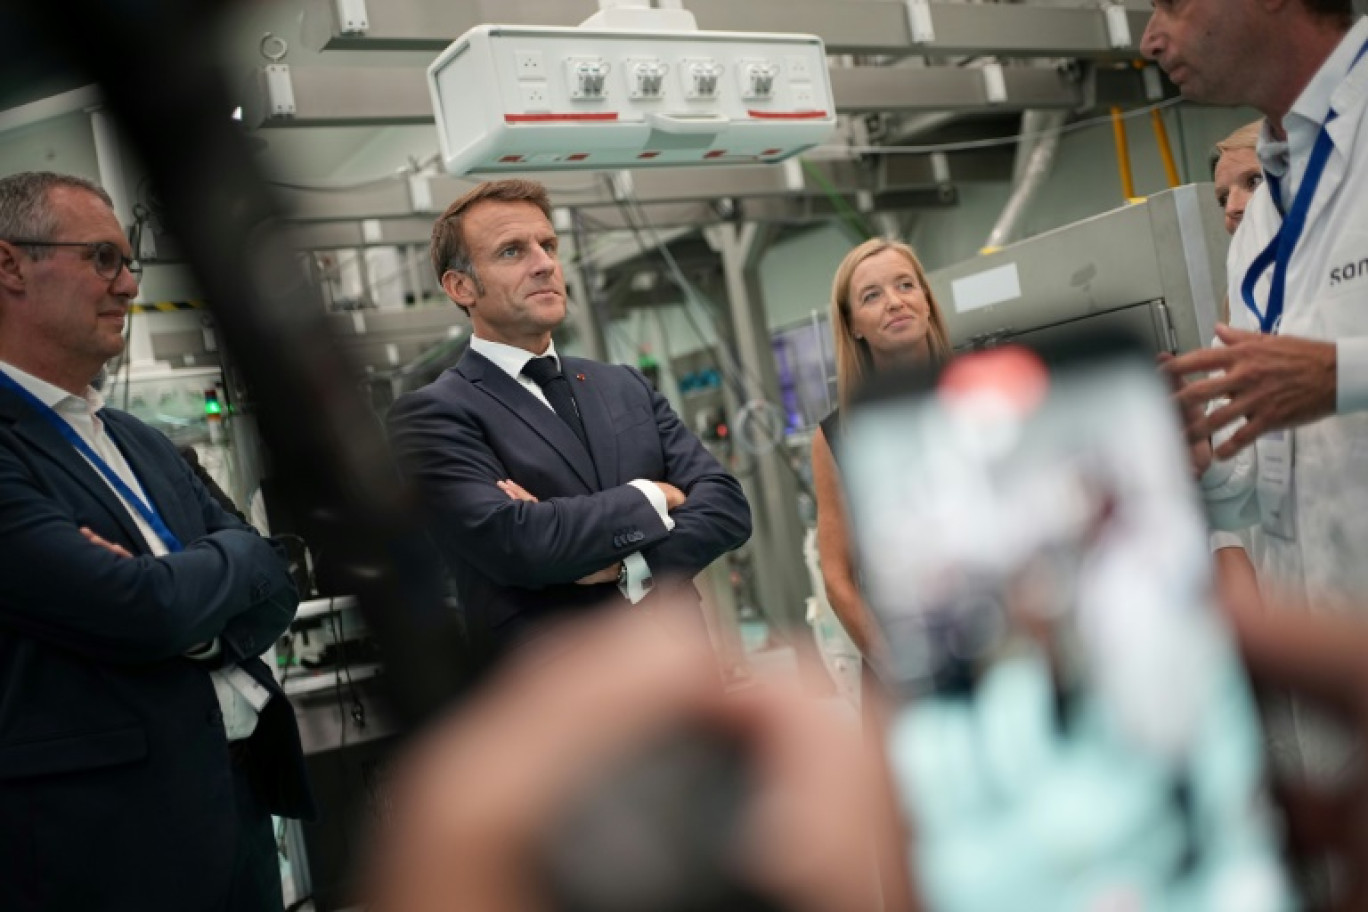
pixel 1277 507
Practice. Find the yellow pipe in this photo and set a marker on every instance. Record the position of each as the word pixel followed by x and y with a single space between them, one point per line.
pixel 1122 154
pixel 1165 150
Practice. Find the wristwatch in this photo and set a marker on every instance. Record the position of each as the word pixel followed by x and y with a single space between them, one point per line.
pixel 622 575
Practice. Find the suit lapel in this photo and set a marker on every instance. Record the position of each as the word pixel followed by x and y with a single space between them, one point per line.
pixel 51 445
pixel 489 379
pixel 598 426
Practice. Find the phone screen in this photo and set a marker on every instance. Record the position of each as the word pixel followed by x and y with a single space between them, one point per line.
pixel 1074 730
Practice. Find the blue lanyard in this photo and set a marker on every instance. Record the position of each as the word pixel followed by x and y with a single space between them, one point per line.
pixel 145 510
pixel 1278 253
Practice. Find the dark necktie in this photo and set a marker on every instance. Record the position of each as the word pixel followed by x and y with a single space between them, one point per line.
pixel 544 373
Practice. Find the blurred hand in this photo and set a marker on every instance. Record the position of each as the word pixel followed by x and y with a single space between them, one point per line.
pixel 516 491
pixel 94 539
pixel 1272 382
pixel 475 796
pixel 1323 658
pixel 673 496
pixel 1199 446
pixel 608 574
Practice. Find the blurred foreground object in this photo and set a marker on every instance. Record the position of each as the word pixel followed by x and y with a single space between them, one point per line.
pixel 479 806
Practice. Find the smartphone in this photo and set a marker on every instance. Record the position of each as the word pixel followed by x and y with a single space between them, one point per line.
pixel 1073 729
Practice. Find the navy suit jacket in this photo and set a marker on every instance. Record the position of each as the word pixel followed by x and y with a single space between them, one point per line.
pixel 475 425
pixel 116 785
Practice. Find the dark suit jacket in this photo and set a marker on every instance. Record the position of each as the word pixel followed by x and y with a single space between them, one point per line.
pixel 116 785
pixel 474 426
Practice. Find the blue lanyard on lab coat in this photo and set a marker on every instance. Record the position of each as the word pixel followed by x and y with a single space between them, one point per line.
pixel 1278 253
pixel 145 509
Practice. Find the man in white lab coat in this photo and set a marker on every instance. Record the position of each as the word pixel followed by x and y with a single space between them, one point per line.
pixel 1288 388
pixel 1294 364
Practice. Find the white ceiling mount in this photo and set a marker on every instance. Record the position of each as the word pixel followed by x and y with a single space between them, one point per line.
pixel 636 15
pixel 526 98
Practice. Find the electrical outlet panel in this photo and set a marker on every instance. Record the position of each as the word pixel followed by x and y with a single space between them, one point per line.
pixel 757 78
pixel 587 77
pixel 701 77
pixel 586 98
pixel 530 64
pixel 645 77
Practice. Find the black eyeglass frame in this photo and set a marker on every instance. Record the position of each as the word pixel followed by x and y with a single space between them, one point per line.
pixel 96 249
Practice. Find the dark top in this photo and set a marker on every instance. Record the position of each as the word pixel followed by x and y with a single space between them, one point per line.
pixel 831 430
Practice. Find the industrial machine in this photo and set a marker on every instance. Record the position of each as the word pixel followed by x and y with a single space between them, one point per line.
pixel 1155 268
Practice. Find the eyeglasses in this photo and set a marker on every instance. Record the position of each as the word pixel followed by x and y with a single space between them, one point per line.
pixel 105 256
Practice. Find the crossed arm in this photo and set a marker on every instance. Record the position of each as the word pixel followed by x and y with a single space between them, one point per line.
pixel 73 587
pixel 532 543
pixel 673 498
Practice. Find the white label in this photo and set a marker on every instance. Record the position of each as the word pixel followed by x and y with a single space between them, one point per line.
pixel 992 286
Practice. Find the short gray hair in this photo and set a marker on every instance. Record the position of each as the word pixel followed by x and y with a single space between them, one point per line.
pixel 25 207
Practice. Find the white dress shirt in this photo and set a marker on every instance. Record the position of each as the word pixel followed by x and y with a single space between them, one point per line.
pixel 511 361
pixel 239 695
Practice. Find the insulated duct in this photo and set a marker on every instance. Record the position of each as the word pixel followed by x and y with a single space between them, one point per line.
pixel 1040 132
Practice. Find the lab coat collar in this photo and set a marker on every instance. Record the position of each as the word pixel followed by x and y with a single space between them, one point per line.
pixel 1329 87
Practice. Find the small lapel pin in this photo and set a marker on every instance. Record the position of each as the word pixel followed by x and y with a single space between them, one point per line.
pixel 579 376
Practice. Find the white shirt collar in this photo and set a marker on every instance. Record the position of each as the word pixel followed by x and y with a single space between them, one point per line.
pixel 1312 106
pixel 54 397
pixel 509 359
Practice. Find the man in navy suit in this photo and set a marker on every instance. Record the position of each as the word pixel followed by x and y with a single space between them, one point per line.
pixel 555 484
pixel 143 743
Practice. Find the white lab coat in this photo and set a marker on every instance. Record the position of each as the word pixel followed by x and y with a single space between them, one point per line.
pixel 1326 298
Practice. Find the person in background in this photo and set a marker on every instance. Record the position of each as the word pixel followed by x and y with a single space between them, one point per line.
pixel 556 485
pixel 144 745
pixel 1236 171
pixel 883 316
pixel 1290 380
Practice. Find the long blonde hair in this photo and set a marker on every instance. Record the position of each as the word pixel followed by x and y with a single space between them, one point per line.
pixel 854 361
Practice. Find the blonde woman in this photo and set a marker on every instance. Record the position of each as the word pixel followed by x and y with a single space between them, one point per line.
pixel 883 316
pixel 1235 169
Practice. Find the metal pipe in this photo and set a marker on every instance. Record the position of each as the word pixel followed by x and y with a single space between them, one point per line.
pixel 1165 149
pixel 109 159
pixel 1043 128
pixel 1122 154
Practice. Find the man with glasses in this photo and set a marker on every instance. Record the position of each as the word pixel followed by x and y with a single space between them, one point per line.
pixel 143 743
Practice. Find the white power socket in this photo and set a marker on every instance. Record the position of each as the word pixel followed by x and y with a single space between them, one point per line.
pixel 534 96
pixel 530 64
